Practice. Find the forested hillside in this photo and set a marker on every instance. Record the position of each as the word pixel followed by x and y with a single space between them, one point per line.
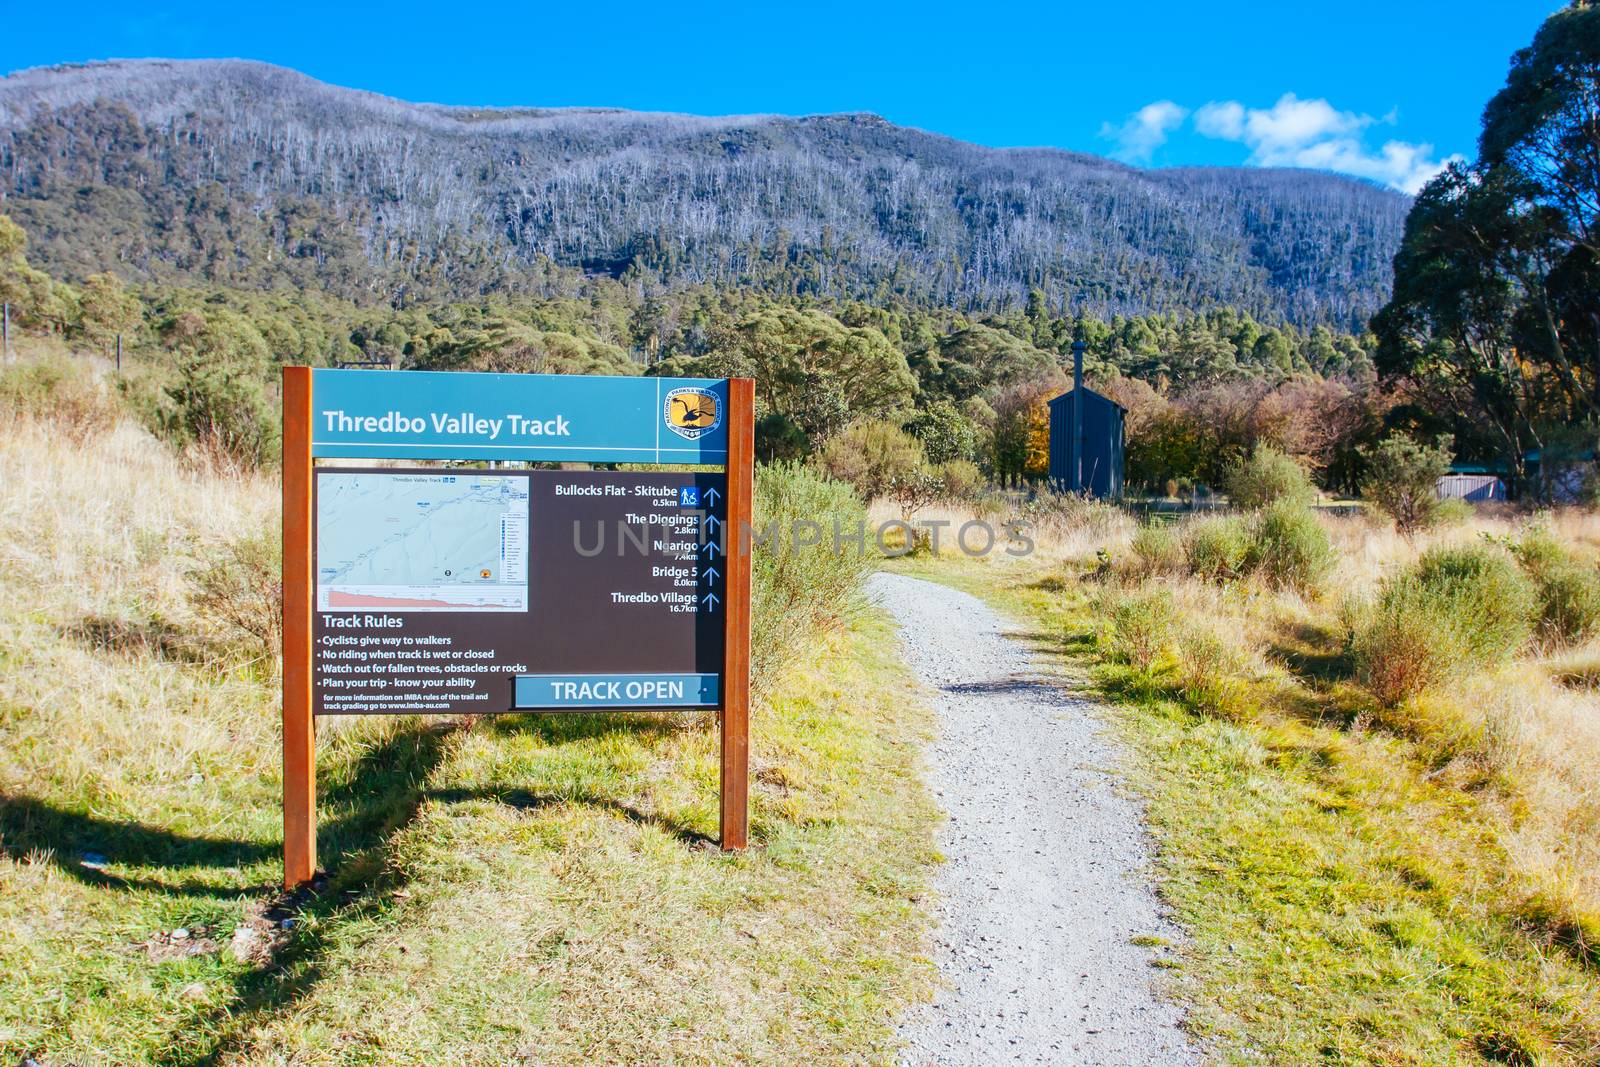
pixel 246 175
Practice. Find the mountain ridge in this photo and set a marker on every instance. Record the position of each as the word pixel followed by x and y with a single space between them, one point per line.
pixel 125 159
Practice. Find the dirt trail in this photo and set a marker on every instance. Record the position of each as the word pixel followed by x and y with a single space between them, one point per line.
pixel 1046 882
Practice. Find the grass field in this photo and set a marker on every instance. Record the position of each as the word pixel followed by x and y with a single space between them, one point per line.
pixel 1355 892
pixel 538 890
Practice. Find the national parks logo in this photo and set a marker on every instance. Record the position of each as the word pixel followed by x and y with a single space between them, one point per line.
pixel 693 412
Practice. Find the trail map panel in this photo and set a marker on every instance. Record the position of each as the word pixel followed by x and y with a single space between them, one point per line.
pixel 422 542
pixel 449 591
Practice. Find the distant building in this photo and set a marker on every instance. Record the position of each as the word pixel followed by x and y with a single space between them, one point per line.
pixel 1475 487
pixel 1095 464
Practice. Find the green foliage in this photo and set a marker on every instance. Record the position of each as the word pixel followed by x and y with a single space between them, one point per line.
pixel 1497 280
pixel 1268 477
pixel 218 395
pixel 798 590
pixel 1402 479
pixel 960 479
pixel 946 434
pixel 107 310
pixel 1289 547
pixel 1020 443
pixel 1217 548
pixel 1455 608
pixel 814 371
pixel 1568 588
pixel 1158 549
pixel 872 456
pixel 1138 627
pixel 978 361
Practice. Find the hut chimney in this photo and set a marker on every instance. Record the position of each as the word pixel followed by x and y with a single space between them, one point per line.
pixel 1075 477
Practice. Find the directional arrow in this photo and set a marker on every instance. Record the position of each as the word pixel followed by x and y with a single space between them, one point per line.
pixel 711 573
pixel 709 548
pixel 712 522
pixel 711 496
pixel 710 600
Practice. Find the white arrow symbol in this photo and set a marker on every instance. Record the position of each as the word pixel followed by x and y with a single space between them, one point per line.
pixel 710 600
pixel 709 548
pixel 711 496
pixel 712 573
pixel 712 522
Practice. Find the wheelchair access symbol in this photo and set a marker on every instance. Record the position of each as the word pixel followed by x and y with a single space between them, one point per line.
pixel 688 496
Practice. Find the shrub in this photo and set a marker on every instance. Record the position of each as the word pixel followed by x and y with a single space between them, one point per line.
pixel 241 593
pixel 1401 481
pixel 1568 589
pixel 1138 627
pixel 915 491
pixel 1398 657
pixel 219 402
pixel 1267 477
pixel 796 590
pixel 1479 592
pixel 1453 512
pixel 960 479
pixel 872 456
pixel 1569 604
pixel 1216 548
pixel 1455 608
pixel 1207 668
pixel 1158 549
pixel 1289 547
pixel 61 390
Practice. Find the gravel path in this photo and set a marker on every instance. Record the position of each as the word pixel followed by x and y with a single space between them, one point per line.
pixel 1045 882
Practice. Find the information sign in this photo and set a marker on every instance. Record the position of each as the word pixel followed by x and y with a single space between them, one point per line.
pixel 465 588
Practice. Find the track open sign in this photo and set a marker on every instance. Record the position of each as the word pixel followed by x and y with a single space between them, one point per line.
pixel 457 589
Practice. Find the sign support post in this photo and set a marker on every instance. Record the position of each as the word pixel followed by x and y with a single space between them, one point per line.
pixel 299 727
pixel 736 652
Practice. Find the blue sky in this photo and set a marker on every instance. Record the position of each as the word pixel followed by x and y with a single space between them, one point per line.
pixel 1382 89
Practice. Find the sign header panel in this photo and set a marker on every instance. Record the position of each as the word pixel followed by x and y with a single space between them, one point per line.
pixel 364 414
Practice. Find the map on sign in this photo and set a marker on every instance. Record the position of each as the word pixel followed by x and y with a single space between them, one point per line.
pixel 421 542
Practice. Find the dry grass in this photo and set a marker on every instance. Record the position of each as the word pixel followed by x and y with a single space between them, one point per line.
pixel 528 890
pixel 1521 738
pixel 1533 723
pixel 1054 535
pixel 1361 884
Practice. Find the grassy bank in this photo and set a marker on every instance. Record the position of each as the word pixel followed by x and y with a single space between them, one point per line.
pixel 1362 884
pixel 523 889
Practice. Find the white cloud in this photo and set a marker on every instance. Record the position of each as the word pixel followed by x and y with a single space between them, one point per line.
pixel 1315 134
pixel 1145 130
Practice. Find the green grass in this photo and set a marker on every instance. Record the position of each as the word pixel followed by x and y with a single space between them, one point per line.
pixel 1342 906
pixel 526 889
pixel 539 890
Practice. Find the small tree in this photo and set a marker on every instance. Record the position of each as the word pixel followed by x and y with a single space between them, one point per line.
pixel 946 434
pixel 106 309
pixel 915 491
pixel 1268 477
pixel 1402 481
